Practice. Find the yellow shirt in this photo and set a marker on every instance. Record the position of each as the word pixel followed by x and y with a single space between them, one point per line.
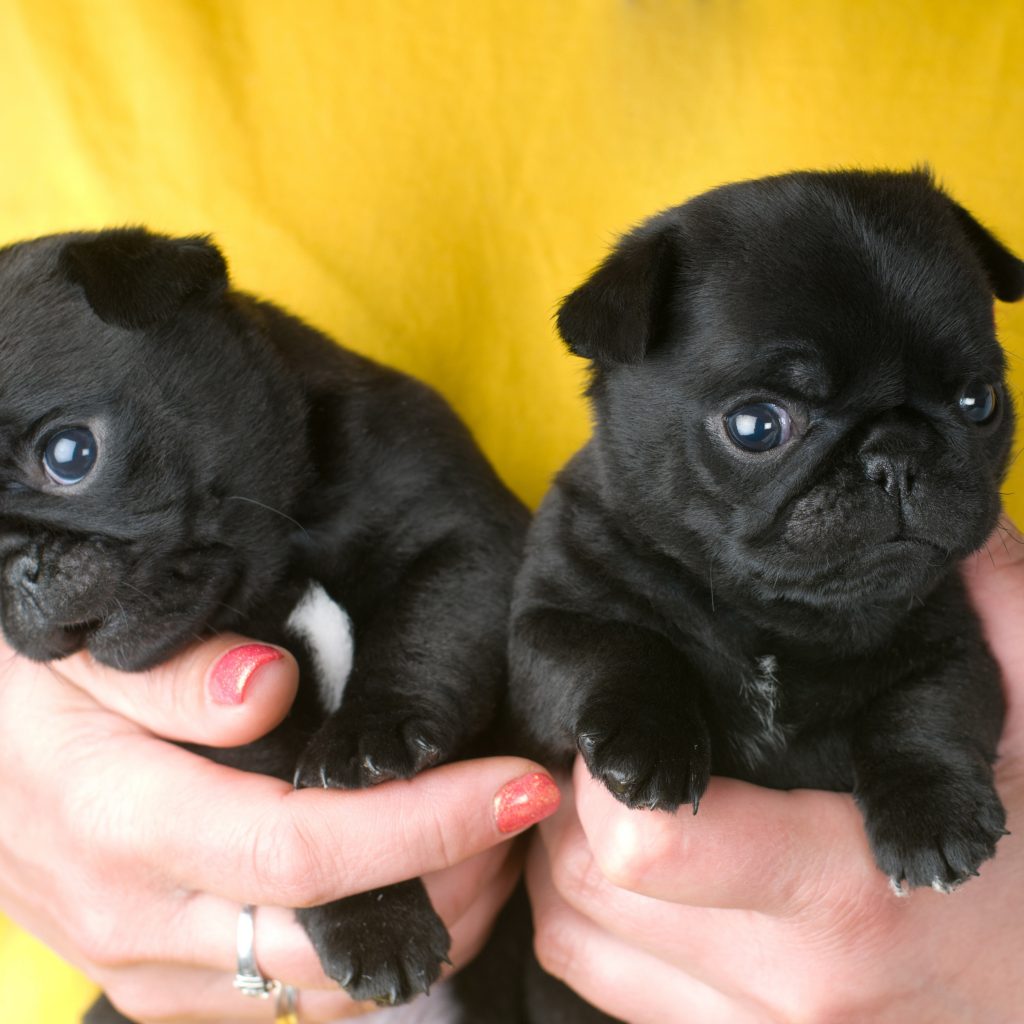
pixel 425 178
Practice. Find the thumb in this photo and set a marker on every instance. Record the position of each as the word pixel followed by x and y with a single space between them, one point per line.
pixel 995 582
pixel 222 693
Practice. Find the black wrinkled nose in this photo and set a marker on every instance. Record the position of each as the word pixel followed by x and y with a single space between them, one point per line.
pixel 893 449
pixel 895 474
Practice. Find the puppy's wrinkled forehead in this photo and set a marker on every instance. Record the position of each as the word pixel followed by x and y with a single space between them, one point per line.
pixel 875 268
pixel 817 287
pixel 51 344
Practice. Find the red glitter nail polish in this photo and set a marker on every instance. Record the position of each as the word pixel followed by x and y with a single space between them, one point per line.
pixel 525 801
pixel 231 674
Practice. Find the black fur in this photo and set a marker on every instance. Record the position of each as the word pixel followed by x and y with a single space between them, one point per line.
pixel 792 617
pixel 243 455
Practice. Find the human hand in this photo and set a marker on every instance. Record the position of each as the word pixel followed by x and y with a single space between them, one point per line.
pixel 767 906
pixel 131 856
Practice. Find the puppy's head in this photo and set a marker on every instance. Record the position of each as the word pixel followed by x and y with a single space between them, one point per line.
pixel 146 432
pixel 798 387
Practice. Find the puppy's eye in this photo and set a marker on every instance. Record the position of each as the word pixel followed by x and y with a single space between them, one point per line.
pixel 979 402
pixel 759 427
pixel 69 455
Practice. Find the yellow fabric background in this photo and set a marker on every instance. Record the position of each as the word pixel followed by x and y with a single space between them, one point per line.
pixel 425 179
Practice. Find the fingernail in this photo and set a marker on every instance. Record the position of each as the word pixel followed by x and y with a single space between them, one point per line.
pixel 231 673
pixel 525 801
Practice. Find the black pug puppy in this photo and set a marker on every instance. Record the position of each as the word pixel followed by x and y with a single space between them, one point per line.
pixel 180 458
pixel 801 425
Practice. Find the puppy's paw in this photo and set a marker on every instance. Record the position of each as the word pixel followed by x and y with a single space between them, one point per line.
pixel 387 945
pixel 935 834
pixel 360 748
pixel 656 759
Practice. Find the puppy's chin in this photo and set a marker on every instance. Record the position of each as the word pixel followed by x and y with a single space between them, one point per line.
pixel 136 646
pixel 45 644
pixel 124 638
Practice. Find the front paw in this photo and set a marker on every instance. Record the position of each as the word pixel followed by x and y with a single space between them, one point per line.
pixel 386 945
pixel 358 748
pixel 654 758
pixel 928 829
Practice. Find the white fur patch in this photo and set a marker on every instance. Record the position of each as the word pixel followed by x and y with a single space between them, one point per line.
pixel 437 1008
pixel 897 888
pixel 324 626
pixel 760 692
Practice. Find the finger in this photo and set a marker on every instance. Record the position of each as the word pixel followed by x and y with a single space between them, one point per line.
pixel 283 952
pixel 455 891
pixel 155 993
pixel 202 932
pixel 255 840
pixel 224 692
pixel 474 926
pixel 995 581
pixel 752 848
pixel 628 983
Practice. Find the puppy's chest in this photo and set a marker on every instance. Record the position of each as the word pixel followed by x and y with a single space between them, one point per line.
pixel 780 719
pixel 323 628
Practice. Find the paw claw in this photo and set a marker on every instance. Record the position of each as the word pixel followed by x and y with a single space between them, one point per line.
pixel 648 760
pixel 363 748
pixel 385 945
pixel 932 834
pixel 373 771
pixel 617 782
pixel 430 752
pixel 389 998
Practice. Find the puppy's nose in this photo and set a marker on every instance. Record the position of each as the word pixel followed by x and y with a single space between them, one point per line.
pixel 22 570
pixel 895 474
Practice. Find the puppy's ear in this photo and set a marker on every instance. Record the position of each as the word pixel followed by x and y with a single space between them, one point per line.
pixel 617 314
pixel 134 278
pixel 1005 272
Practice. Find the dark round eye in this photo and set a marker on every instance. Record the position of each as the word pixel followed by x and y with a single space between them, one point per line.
pixel 759 427
pixel 69 455
pixel 979 402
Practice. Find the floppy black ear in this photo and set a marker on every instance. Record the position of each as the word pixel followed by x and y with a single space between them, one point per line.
pixel 615 315
pixel 1005 272
pixel 134 278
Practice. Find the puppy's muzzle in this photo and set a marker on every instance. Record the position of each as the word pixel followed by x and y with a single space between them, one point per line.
pixel 53 592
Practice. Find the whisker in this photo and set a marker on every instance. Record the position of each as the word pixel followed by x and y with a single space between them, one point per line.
pixel 276 511
pixel 141 593
pixel 198 638
pixel 1015 456
pixel 1007 532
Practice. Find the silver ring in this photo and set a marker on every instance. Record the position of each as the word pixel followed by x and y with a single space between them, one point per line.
pixel 286 1010
pixel 248 979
